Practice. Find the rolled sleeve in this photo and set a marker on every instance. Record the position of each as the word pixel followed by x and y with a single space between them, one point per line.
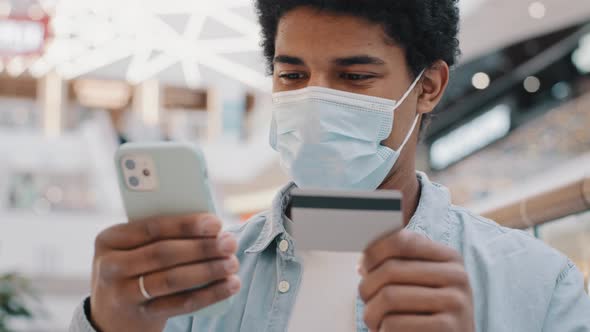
pixel 569 310
pixel 80 321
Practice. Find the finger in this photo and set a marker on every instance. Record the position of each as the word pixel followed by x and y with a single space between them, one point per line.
pixel 416 273
pixel 410 300
pixel 166 254
pixel 406 245
pixel 184 278
pixel 139 233
pixel 416 323
pixel 188 302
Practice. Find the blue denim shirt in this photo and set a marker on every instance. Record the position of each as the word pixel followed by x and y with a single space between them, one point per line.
pixel 519 284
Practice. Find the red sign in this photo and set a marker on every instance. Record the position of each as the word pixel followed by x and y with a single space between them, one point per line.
pixel 23 36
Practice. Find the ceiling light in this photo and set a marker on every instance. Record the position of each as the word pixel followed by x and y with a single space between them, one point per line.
pixel 238 23
pixel 561 90
pixel 581 56
pixel 532 84
pixel 581 60
pixel 481 81
pixel 5 8
pixel 39 68
pixel 537 10
pixel 143 68
pixel 136 30
pixel 61 26
pixel 93 60
pixel 15 67
pixel 21 36
pixel 471 137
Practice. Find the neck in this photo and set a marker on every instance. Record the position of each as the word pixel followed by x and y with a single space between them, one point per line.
pixel 405 180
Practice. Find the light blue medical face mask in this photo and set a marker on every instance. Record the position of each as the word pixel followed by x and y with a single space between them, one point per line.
pixel 331 139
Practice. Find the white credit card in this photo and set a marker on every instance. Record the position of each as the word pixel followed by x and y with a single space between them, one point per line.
pixel 343 221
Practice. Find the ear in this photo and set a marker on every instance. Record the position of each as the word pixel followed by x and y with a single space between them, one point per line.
pixel 434 83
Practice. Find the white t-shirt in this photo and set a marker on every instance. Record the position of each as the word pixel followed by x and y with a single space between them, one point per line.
pixel 327 295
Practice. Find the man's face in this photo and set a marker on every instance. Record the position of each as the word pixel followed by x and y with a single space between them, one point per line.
pixel 345 53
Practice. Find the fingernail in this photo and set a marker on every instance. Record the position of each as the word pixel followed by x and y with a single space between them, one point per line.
pixel 208 227
pixel 231 265
pixel 233 285
pixel 227 244
pixel 361 270
pixel 360 266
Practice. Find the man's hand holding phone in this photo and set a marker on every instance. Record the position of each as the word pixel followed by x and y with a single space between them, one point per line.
pixel 172 255
pixel 411 283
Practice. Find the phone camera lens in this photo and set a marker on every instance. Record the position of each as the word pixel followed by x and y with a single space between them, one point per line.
pixel 130 165
pixel 133 181
pixel 146 172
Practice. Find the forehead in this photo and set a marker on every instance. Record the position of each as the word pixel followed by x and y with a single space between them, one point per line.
pixel 307 30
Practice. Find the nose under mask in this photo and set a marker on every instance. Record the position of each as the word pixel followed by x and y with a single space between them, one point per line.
pixel 331 139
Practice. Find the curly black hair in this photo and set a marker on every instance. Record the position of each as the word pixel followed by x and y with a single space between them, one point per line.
pixel 426 29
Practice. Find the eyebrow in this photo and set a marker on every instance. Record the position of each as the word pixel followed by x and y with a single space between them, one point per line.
pixel 341 62
pixel 358 60
pixel 289 60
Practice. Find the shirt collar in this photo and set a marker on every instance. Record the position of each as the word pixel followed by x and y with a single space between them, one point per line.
pixel 431 218
pixel 274 225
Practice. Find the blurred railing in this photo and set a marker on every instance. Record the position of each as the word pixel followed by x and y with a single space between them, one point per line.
pixel 554 204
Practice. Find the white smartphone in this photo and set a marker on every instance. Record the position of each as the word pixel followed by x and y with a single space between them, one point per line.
pixel 343 221
pixel 165 179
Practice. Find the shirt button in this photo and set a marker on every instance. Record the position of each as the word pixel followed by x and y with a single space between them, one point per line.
pixel 284 286
pixel 284 246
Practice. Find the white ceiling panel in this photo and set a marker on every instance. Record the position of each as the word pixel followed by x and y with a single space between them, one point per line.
pixel 175 40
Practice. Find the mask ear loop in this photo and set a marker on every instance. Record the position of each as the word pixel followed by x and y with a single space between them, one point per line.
pixel 417 116
pixel 409 134
pixel 401 101
pixel 273 132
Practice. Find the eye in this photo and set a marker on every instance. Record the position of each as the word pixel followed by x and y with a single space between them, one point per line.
pixel 356 77
pixel 292 76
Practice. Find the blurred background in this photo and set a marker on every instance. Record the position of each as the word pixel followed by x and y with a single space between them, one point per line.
pixel 79 77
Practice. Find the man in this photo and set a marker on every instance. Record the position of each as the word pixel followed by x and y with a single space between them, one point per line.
pixel 337 66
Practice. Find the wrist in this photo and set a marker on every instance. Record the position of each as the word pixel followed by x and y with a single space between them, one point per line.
pixel 88 313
